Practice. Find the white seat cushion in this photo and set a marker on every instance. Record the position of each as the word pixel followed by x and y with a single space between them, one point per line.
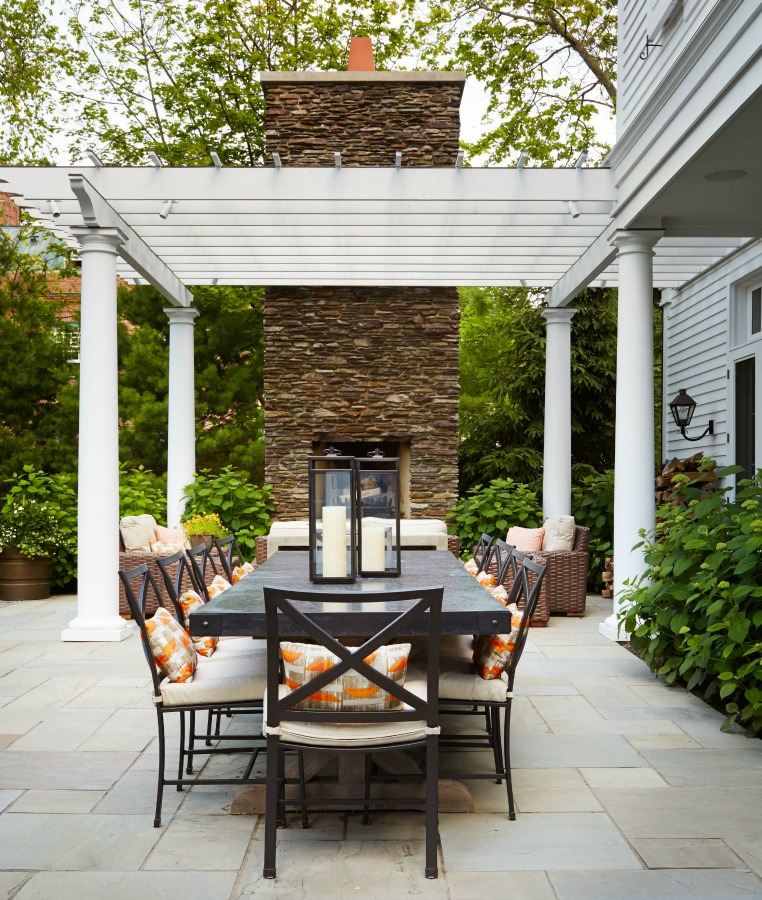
pixel 233 680
pixel 458 679
pixel 231 647
pixel 333 735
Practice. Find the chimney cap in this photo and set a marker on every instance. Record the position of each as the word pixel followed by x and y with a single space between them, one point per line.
pixel 361 55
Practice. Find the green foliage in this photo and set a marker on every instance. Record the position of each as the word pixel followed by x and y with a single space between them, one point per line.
pixel 229 365
pixel 695 615
pixel 244 508
pixel 56 493
pixel 549 67
pixel 593 507
pixel 141 492
pixel 502 379
pixel 493 509
pixel 38 423
pixel 31 528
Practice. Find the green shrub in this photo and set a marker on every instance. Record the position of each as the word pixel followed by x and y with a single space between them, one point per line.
pixel 593 507
pixel 493 510
pixel 695 614
pixel 58 493
pixel 244 508
pixel 141 492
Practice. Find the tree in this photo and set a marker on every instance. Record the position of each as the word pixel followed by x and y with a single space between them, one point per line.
pixel 548 66
pixel 38 415
pixel 229 362
pixel 503 384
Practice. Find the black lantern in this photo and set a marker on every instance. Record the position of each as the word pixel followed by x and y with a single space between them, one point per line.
pixel 378 503
pixel 683 407
pixel 333 518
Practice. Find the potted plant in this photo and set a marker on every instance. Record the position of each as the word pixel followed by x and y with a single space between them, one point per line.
pixel 30 534
pixel 203 528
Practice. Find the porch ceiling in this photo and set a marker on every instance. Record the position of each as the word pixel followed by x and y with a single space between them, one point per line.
pixel 357 226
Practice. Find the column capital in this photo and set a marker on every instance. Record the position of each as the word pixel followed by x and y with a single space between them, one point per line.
pixel 182 314
pixel 667 296
pixel 559 314
pixel 99 238
pixel 634 240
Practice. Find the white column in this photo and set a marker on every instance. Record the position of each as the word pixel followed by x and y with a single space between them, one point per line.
pixel 98 493
pixel 181 443
pixel 634 441
pixel 556 473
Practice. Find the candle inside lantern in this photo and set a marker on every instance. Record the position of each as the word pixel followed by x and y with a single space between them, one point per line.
pixel 334 541
pixel 373 548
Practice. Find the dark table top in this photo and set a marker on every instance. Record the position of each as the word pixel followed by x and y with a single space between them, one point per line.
pixel 467 608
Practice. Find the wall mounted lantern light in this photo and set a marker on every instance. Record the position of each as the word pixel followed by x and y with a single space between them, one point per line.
pixel 683 407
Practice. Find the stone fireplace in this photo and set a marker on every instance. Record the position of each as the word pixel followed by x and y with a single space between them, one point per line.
pixel 363 367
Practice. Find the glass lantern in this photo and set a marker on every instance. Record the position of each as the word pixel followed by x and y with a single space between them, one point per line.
pixel 378 505
pixel 333 518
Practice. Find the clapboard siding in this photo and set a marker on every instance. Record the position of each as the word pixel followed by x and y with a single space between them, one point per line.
pixel 696 352
pixel 637 78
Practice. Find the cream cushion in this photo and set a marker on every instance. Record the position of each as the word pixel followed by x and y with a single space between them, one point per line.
pixel 137 532
pixel 230 647
pixel 340 735
pixel 559 533
pixel 238 680
pixel 458 679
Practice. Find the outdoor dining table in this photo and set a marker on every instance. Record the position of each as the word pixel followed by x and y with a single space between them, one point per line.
pixel 467 608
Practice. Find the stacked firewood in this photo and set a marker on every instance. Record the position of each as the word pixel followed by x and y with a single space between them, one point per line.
pixel 667 490
pixel 607 576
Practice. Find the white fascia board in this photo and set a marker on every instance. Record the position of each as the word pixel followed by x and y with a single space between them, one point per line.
pixel 96 212
pixel 710 82
pixel 593 261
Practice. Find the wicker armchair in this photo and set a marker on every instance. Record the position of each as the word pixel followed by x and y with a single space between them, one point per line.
pixel 564 589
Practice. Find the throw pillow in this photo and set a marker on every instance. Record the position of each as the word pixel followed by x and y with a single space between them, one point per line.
pixel 170 646
pixel 167 547
pixel 493 652
pixel 218 585
pixel 525 539
pixel 487 579
pixel 559 533
pixel 137 532
pixel 187 602
pixel 172 536
pixel 351 691
pixel 240 572
pixel 471 566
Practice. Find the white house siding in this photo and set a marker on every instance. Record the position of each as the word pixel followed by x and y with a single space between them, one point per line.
pixel 637 78
pixel 699 355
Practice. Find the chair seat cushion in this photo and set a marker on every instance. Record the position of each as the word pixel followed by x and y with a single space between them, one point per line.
pixel 233 647
pixel 457 678
pixel 330 734
pixel 235 680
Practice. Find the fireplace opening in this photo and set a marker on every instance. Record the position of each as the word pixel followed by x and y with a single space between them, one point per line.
pixel 390 448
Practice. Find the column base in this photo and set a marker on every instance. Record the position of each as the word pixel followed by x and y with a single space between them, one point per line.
pixel 610 629
pixel 111 629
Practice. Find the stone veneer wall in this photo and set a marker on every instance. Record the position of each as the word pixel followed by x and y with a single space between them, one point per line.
pixel 362 364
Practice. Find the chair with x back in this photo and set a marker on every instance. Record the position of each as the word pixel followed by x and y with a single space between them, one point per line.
pixel 200 558
pixel 481 674
pixel 349 699
pixel 481 554
pixel 229 554
pixel 184 682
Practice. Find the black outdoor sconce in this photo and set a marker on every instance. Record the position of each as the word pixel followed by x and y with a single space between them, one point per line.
pixel 683 407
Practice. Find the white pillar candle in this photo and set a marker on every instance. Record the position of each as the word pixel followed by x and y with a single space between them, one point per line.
pixel 334 541
pixel 373 548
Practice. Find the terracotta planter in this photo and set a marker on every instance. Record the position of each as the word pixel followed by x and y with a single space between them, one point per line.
pixel 197 539
pixel 24 577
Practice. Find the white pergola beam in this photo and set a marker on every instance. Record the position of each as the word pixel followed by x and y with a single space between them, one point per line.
pixel 593 261
pixel 98 213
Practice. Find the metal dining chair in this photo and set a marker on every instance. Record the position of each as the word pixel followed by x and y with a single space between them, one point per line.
pixel 227 547
pixel 481 554
pixel 199 558
pixel 409 720
pixel 231 686
pixel 462 689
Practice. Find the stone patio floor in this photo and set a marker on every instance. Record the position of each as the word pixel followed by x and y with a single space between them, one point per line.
pixel 626 788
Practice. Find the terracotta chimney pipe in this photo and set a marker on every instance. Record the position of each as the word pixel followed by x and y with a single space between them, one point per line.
pixel 361 55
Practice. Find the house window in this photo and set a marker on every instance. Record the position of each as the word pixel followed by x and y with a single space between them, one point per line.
pixel 661 14
pixel 756 311
pixel 746 318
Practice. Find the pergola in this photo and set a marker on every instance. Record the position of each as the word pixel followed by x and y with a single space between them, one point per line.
pixel 178 227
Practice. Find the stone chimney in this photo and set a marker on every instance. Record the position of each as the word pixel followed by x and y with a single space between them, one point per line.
pixel 363 366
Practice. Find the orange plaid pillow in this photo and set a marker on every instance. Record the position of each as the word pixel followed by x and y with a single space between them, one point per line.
pixel 493 652
pixel 471 566
pixel 218 585
pixel 170 646
pixel 302 662
pixel 187 602
pixel 240 572
pixel 486 579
